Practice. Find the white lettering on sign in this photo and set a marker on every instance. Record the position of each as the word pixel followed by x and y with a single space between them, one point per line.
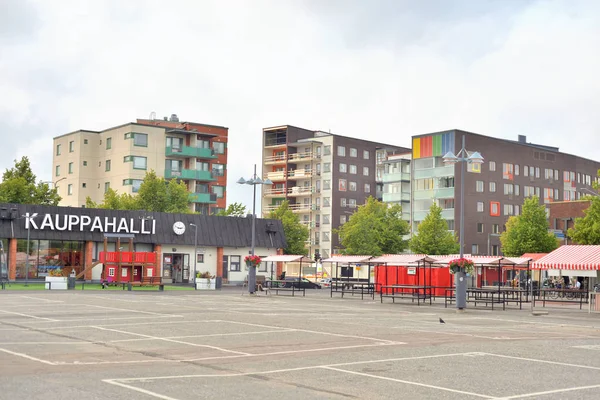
pixel 86 223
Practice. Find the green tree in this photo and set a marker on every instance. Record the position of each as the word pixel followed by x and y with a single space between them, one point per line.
pixel 376 228
pixel 587 229
pixel 152 194
pixel 114 201
pixel 177 197
pixel 433 236
pixel 19 186
pixel 296 234
pixel 528 232
pixel 233 210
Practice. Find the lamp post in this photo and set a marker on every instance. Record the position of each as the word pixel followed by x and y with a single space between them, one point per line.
pixel 254 180
pixel 195 252
pixel 463 158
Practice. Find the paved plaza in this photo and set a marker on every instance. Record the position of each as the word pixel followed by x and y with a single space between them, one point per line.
pixel 225 345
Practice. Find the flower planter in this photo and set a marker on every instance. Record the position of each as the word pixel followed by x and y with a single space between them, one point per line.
pixel 57 283
pixel 205 284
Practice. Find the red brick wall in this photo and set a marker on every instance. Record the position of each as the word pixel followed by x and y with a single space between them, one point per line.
pixel 158 250
pixel 12 257
pixel 566 209
pixel 219 261
pixel 89 246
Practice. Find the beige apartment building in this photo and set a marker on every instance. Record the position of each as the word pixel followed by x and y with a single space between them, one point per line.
pixel 88 163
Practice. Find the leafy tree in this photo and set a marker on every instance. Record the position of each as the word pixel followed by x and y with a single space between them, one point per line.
pixel 433 236
pixel 587 229
pixel 528 232
pixel 155 194
pixel 19 186
pixel 233 210
pixel 374 229
pixel 296 234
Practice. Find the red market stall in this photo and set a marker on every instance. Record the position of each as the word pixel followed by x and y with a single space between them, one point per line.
pixel 409 270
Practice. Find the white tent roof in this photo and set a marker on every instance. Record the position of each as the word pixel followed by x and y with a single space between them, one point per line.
pixel 287 258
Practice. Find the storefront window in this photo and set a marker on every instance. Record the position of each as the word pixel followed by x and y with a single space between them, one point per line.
pixel 4 258
pixel 49 258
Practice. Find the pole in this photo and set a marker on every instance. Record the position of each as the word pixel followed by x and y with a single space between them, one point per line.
pixel 195 253
pixel 461 281
pixel 27 259
pixel 252 270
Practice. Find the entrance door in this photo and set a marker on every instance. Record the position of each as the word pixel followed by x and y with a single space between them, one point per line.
pixel 225 268
pixel 137 273
pixel 185 268
pixel 177 268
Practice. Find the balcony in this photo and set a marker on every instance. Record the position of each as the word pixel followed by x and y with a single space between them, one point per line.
pixel 275 141
pixel 275 192
pixel 276 176
pixel 187 151
pixel 208 198
pixel 438 172
pixel 297 191
pixel 302 157
pixel 189 174
pixel 296 208
pixel 396 197
pixel 278 159
pixel 300 174
pixel 448 213
pixel 396 177
pixel 442 193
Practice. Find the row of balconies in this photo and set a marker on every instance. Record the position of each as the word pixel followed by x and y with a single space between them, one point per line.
pixel 191 174
pixel 292 158
pixel 292 174
pixel 297 208
pixel 295 191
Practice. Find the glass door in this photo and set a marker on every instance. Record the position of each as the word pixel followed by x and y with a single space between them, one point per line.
pixel 185 268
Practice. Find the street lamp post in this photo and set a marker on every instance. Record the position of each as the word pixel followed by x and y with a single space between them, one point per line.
pixel 463 158
pixel 195 252
pixel 254 180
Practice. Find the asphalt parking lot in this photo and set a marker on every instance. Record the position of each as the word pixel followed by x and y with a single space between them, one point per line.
pixel 200 345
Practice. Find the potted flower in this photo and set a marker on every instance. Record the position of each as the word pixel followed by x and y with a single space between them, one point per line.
pixel 458 263
pixel 205 281
pixel 252 261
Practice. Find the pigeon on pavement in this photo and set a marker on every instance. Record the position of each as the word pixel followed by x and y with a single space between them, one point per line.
pixel 442 321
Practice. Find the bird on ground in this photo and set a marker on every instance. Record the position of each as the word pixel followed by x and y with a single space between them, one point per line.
pixel 442 321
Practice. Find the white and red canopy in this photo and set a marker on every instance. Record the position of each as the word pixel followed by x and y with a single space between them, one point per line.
pixel 572 257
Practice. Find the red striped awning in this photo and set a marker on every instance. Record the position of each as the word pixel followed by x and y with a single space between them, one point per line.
pixel 402 259
pixel 573 257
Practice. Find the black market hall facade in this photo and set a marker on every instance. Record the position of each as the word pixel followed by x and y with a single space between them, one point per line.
pixel 66 241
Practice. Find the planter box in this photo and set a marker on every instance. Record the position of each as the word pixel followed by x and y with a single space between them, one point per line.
pixel 58 283
pixel 205 284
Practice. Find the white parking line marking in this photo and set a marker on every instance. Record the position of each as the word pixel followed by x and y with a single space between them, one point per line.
pixel 14 353
pixel 203 336
pixel 522 396
pixel 139 390
pixel 385 378
pixel 543 361
pixel 29 316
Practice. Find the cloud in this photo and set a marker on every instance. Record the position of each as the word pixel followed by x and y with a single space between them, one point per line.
pixel 383 70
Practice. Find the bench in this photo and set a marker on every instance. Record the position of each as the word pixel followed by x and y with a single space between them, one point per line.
pixel 284 286
pixel 146 281
pixel 474 296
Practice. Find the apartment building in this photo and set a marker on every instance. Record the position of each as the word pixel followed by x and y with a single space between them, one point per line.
pixel 88 163
pixel 323 176
pixel 397 182
pixel 512 171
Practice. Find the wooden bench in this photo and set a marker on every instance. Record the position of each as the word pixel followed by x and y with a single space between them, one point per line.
pixel 146 281
pixel 285 286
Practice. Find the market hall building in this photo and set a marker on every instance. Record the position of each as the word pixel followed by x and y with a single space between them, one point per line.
pixel 65 239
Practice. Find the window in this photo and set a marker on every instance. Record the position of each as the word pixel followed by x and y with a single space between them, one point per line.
pixel 494 208
pixel 517 210
pixel 479 186
pixel 343 202
pixel 326 219
pixel 516 169
pixel 517 190
pixel 57 170
pixel 58 149
pixel 327 150
pixel 525 170
pixel 537 191
pixel 219 191
pixel 352 203
pixel 343 167
pixel 537 172
pixel 508 188
pixel 219 147
pixel 69 189
pixel 140 139
pixel 492 187
pixel 107 165
pixel 325 236
pixel 492 165
pixel 556 194
pixel 70 167
pixel 480 206
pixel 479 227
pixel 353 169
pixel 475 249
pixel 135 183
pixel 508 209
pixel 507 171
pixel 495 250
pixel 218 170
pixel 353 152
pixel 326 184
pixel 366 154
pixel 343 219
pixel 342 185
pixel 352 186
pixel 495 228
pixel 85 163
pixel 85 141
pixel 367 188
pixel 71 146
pixel 111 272
pixel 326 202
pixel 341 151
pixel 234 263
pixel 106 186
pixel 108 143
pixel 366 171
pixel 531 171
pixel 199 258
pixel 326 167
pixel 450 224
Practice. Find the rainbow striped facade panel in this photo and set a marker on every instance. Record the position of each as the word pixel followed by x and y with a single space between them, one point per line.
pixel 433 145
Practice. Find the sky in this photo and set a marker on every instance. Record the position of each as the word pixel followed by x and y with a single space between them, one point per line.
pixel 379 69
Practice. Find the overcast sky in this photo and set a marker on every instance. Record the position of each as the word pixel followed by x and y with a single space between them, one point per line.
pixel 382 70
